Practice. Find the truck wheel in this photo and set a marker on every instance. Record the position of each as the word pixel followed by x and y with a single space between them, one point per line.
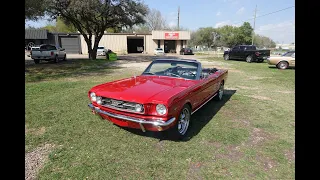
pixel 226 57
pixel 282 65
pixel 179 130
pixel 56 59
pixel 249 59
pixel 36 61
pixel 64 58
pixel 220 92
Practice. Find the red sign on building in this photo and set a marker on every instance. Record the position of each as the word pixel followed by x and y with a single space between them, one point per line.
pixel 171 35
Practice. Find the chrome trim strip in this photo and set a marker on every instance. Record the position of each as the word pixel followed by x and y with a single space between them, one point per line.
pixel 120 109
pixel 204 103
pixel 137 120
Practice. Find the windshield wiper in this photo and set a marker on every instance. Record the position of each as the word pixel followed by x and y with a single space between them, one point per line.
pixel 148 73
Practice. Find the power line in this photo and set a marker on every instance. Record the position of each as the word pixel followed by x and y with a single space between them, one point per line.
pixel 266 14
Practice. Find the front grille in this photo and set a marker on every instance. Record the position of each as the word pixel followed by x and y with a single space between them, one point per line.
pixel 119 105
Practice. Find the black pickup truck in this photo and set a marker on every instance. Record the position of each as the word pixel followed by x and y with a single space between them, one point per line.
pixel 246 52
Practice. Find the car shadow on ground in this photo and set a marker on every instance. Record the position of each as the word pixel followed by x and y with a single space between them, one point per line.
pixel 198 120
pixel 274 67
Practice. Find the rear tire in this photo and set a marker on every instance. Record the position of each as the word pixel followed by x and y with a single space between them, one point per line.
pixel 220 93
pixel 36 61
pixel 249 59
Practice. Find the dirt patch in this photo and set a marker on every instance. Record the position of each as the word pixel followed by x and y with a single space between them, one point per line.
pixel 233 153
pixel 286 92
pixel 246 87
pixel 258 136
pixel 35 160
pixel 194 171
pixel 259 97
pixel 290 155
pixel 159 145
pixel 34 131
pixel 242 122
pixel 266 162
pixel 256 77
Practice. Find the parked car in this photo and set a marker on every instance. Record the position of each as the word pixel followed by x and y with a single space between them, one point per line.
pixel 33 48
pixel 162 98
pixel 186 51
pixel 101 51
pixel 246 52
pixel 158 51
pixel 284 61
pixel 47 52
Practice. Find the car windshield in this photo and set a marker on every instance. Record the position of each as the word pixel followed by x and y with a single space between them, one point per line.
pixel 180 69
pixel 101 47
pixel 288 54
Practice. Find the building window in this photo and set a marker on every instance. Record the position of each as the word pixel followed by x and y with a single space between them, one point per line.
pixel 158 43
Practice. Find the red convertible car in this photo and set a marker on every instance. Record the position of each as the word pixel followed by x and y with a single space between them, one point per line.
pixel 162 98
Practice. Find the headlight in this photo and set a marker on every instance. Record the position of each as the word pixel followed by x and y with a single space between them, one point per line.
pixel 93 97
pixel 138 108
pixel 99 100
pixel 161 109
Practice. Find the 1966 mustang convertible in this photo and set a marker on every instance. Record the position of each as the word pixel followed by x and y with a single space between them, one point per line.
pixel 162 98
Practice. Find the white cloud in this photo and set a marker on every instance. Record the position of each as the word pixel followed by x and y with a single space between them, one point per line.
pixel 222 23
pixel 218 13
pixel 240 11
pixel 283 32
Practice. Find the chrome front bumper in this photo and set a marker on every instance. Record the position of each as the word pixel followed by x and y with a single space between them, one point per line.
pixel 133 119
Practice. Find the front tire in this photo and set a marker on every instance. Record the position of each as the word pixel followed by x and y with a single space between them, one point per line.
pixel 180 129
pixel 282 65
pixel 220 93
pixel 226 57
pixel 56 59
pixel 64 58
pixel 249 59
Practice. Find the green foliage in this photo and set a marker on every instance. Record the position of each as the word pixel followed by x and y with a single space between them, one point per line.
pixel 60 26
pixel 34 9
pixel 263 41
pixel 92 17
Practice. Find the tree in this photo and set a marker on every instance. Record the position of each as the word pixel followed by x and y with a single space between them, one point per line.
pixel 60 26
pixel 34 9
pixel 244 34
pixel 263 41
pixel 153 21
pixel 93 17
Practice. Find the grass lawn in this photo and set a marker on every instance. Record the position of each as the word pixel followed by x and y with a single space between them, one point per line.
pixel 248 135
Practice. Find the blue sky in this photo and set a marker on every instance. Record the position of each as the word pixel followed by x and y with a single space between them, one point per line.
pixel 280 26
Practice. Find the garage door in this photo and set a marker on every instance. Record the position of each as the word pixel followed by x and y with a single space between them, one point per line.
pixel 71 44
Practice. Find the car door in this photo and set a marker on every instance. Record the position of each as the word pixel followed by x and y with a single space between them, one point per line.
pixel 233 54
pixel 292 60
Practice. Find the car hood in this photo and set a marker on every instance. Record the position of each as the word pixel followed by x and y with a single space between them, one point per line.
pixel 143 89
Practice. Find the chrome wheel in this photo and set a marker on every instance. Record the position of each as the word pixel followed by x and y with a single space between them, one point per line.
pixel 221 89
pixel 226 57
pixel 283 65
pixel 249 59
pixel 184 120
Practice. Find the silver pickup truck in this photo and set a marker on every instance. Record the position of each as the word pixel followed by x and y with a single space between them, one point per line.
pixel 47 52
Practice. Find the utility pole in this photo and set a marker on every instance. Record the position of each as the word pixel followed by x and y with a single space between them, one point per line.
pixel 254 23
pixel 178 16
